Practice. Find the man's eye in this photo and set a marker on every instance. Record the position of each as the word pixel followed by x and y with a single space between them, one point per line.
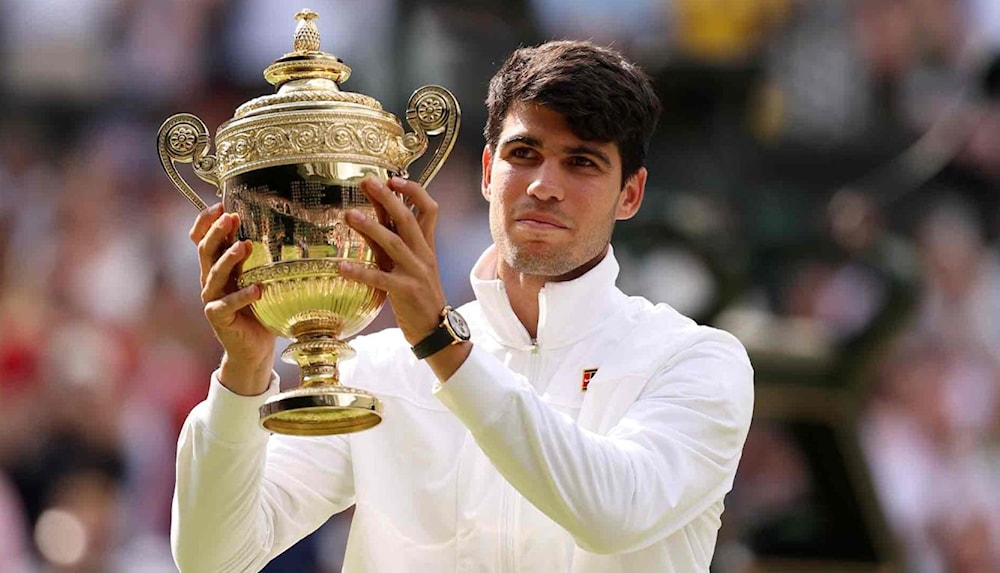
pixel 522 152
pixel 581 161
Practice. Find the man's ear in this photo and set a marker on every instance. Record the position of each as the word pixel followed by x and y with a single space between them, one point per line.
pixel 487 167
pixel 631 196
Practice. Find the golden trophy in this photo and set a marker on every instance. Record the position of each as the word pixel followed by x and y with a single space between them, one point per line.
pixel 290 164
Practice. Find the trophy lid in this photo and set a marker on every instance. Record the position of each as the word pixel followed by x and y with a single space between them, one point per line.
pixel 306 74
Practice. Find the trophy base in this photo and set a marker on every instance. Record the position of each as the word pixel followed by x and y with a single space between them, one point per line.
pixel 321 410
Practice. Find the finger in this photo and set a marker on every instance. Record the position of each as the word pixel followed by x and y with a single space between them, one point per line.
pixel 371 277
pixel 427 207
pixel 383 260
pixel 382 239
pixel 370 186
pixel 222 312
pixel 203 222
pixel 398 212
pixel 215 241
pixel 236 222
pixel 218 282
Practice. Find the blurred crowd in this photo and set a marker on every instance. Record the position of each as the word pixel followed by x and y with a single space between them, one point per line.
pixel 825 182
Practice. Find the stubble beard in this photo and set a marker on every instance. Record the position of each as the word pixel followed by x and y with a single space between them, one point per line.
pixel 550 262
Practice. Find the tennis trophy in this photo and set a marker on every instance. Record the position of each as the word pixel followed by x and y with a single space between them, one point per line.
pixel 290 164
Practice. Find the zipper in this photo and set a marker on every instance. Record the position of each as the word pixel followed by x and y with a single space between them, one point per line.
pixel 507 498
pixel 534 364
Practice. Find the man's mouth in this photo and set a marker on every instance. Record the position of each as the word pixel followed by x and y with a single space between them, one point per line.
pixel 541 221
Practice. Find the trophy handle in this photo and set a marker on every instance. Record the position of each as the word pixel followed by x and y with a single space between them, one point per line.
pixel 432 110
pixel 184 138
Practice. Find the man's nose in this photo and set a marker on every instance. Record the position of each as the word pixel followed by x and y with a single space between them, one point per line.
pixel 547 183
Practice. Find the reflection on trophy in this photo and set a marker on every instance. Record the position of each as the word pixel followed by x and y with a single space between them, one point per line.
pixel 290 164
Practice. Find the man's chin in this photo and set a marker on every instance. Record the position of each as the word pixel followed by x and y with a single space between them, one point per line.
pixel 540 262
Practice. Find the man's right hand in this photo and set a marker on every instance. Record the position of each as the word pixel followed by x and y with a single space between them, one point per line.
pixel 249 346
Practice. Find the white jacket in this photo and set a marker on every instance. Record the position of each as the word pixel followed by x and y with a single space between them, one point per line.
pixel 509 466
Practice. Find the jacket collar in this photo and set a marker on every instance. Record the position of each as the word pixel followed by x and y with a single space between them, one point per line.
pixel 568 311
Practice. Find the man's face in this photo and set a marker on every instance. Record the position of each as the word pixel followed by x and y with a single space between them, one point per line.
pixel 554 198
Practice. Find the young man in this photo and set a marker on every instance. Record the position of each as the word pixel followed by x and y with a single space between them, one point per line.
pixel 578 430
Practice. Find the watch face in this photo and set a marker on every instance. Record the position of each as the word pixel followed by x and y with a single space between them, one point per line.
pixel 458 325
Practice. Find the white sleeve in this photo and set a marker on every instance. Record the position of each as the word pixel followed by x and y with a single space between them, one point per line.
pixel 672 455
pixel 244 496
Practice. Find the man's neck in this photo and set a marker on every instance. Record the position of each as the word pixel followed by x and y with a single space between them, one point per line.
pixel 522 289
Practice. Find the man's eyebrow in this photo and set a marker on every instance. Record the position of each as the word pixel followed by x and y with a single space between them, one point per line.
pixel 525 139
pixel 532 141
pixel 588 150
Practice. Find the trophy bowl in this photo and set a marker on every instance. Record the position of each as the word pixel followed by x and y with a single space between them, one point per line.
pixel 290 165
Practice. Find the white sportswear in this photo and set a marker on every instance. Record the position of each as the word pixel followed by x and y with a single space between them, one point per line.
pixel 509 466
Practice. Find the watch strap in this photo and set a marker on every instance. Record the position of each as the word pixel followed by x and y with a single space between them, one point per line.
pixel 442 337
pixel 435 342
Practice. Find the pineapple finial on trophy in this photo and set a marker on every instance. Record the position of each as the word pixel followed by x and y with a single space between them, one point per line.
pixel 306 33
pixel 306 61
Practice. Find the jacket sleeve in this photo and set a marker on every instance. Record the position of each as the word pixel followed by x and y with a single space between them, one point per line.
pixel 243 496
pixel 671 456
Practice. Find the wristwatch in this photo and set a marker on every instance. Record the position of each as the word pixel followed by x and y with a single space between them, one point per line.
pixel 452 330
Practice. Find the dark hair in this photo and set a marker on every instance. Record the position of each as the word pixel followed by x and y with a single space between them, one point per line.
pixel 603 96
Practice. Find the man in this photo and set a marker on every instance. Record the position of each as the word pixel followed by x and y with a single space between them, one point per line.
pixel 506 451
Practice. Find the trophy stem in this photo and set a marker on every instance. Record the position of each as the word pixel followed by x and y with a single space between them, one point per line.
pixel 320 405
pixel 317 355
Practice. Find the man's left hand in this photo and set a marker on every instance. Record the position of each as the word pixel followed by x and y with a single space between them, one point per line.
pixel 413 282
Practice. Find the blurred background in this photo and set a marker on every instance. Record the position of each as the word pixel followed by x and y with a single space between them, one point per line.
pixel 825 183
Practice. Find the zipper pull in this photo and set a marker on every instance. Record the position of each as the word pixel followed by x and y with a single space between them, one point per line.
pixel 534 346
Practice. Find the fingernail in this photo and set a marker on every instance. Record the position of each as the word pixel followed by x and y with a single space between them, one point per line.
pixel 215 209
pixel 354 216
pixel 398 181
pixel 346 267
